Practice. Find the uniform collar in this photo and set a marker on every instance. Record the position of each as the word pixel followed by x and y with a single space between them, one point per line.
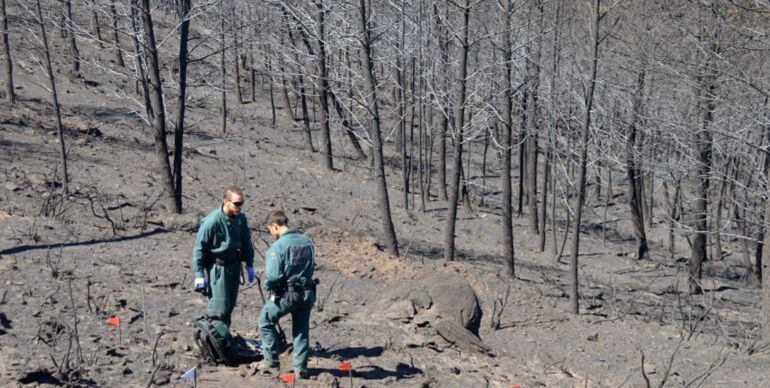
pixel 223 215
pixel 288 231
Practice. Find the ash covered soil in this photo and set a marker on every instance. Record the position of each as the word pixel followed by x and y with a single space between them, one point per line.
pixel 111 247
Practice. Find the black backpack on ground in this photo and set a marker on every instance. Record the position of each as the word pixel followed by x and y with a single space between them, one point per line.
pixel 218 346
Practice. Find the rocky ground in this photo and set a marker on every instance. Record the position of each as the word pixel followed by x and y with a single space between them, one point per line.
pixel 67 263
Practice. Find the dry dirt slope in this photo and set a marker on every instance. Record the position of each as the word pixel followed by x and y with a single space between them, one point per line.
pixel 73 266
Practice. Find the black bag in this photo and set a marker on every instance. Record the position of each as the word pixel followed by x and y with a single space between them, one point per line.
pixel 214 346
pixel 218 346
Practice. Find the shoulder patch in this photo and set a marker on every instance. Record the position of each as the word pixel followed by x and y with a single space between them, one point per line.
pixel 272 253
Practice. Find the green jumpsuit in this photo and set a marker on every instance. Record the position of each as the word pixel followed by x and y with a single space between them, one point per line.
pixel 221 245
pixel 289 260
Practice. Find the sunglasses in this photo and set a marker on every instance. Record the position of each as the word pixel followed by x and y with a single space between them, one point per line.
pixel 239 203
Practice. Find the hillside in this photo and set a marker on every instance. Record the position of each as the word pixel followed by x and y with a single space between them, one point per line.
pixel 112 247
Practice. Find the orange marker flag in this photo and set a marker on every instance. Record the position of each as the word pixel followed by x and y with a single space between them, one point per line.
pixel 287 378
pixel 114 321
pixel 344 366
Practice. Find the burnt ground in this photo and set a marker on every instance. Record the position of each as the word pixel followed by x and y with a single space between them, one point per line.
pixel 110 247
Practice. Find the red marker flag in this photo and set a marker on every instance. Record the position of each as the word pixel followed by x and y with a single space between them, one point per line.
pixel 114 321
pixel 287 378
pixel 344 366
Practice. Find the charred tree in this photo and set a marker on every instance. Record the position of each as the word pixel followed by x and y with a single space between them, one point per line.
pixel 508 248
pixel 633 171
pixel 139 62
pixel 533 119
pixel 184 7
pixel 115 36
pixel 97 29
pixel 223 66
pixel 70 28
pixel 9 88
pixel 707 84
pixel 443 42
pixel 372 104
pixel 156 100
pixel 449 236
pixel 326 147
pixel 54 99
pixel 589 101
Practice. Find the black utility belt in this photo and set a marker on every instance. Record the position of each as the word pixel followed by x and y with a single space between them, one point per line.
pixel 307 286
pixel 222 262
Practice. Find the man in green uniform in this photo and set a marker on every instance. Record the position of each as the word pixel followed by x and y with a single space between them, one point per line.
pixel 223 242
pixel 289 263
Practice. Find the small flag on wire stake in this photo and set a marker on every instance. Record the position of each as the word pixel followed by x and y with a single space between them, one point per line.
pixel 191 374
pixel 345 366
pixel 115 321
pixel 288 378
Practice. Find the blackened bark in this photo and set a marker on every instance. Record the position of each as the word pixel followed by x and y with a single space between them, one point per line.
pixel 70 27
pixel 138 61
pixel 115 35
pixel 95 23
pixel 184 7
pixel 449 236
pixel 238 90
pixel 763 216
pixel 707 84
pixel 534 121
pixel 379 168
pixel 222 57
pixel 326 147
pixel 508 248
pixel 589 100
pixel 443 41
pixel 633 174
pixel 55 100
pixel 156 98
pixel 9 88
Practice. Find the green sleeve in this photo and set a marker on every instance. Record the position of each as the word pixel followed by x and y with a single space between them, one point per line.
pixel 273 274
pixel 202 247
pixel 247 248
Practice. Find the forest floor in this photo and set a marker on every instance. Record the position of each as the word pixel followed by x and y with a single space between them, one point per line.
pixel 111 247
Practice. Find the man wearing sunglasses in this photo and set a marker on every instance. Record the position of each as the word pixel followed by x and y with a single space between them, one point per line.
pixel 223 242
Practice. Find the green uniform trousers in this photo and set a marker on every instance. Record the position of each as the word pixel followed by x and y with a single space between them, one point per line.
pixel 271 312
pixel 224 282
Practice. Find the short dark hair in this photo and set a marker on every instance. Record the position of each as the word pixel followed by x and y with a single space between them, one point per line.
pixel 230 191
pixel 277 217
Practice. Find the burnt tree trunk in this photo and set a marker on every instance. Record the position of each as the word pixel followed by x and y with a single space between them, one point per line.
pixel 507 200
pixel 633 172
pixel 237 71
pixel 222 57
pixel 9 88
pixel 138 61
pixel 703 145
pixel 54 100
pixel 95 24
pixel 449 236
pixel 156 98
pixel 70 28
pixel 326 147
pixel 759 253
pixel 184 7
pixel 115 35
pixel 443 41
pixel 534 121
pixel 589 100
pixel 379 164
